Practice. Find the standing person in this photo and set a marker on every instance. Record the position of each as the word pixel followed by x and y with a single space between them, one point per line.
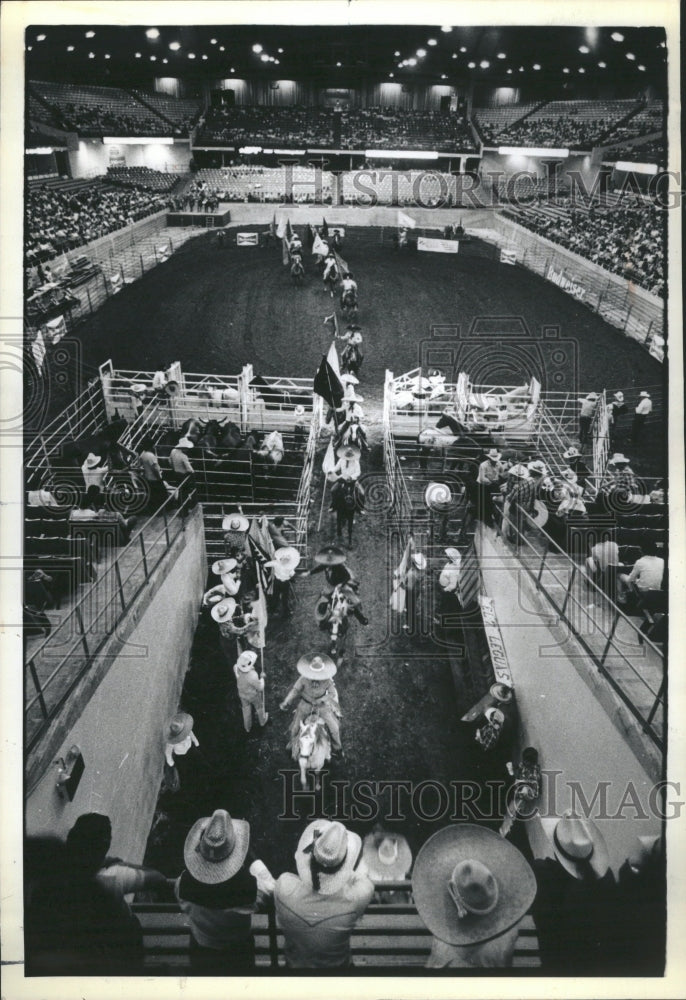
pixel 318 908
pixel 181 465
pixel 488 481
pixel 157 489
pixel 94 470
pixel 283 565
pixel 250 689
pixel 276 527
pixel 521 499
pixel 471 888
pixel 615 408
pixel 414 586
pixel 586 414
pixel 223 613
pixel 219 890
pixel 641 414
pixel 576 463
pixel 332 562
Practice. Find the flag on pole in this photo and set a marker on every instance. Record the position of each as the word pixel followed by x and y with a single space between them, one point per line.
pixel 325 227
pixel 406 221
pixel 329 460
pixel 328 385
pixel 272 226
pixel 319 246
pixel 281 229
pixel 398 594
pixel 285 256
pixel 342 266
pixel 289 230
pixel 332 358
pixel 333 319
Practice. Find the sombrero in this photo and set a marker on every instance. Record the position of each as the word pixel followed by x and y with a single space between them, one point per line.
pixel 570 475
pixel 348 451
pixel 287 557
pixel 618 459
pixel 580 847
pixel 178 728
pixel 454 555
pixel 316 666
pixel 538 466
pixel 493 454
pixel 92 461
pixel 572 452
pixel 216 847
pixel 519 470
pixel 235 522
pixel 388 856
pixel 470 885
pixel 246 661
pixel 593 395
pixel 222 566
pixel 223 612
pixel 185 442
pixel 494 715
pixel 333 848
pixel 330 555
pixel 137 387
pixel 501 692
pixel 348 379
pixel 352 397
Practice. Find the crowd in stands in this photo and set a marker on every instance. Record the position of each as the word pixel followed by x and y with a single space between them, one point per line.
pixel 574 124
pixel 649 119
pixel 393 128
pixel 181 112
pixel 96 111
pixel 144 178
pixel 289 127
pixel 627 239
pixel 643 152
pixel 57 221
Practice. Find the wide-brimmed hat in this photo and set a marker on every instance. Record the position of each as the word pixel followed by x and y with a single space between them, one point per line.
pixel 246 661
pixel 137 388
pixel 592 395
pixel 454 555
pixel 287 557
pixel 538 467
pixel 352 397
pixel 348 451
pixel 501 692
pixel 644 394
pixel 216 847
pixel 316 666
pixel 494 715
pixel 222 566
pixel 330 555
pixel 335 849
pixel 92 460
pixel 349 379
pixel 178 728
pixel 223 612
pixel 230 584
pixel 493 454
pixel 572 452
pixel 580 847
pixel 570 475
pixel 387 855
pixel 470 885
pixel 619 459
pixel 419 559
pixel 519 471
pixel 235 522
pixel 185 442
pixel 619 396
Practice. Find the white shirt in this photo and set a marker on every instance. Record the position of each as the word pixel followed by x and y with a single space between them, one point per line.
pixel 644 407
pixel 94 477
pixel 648 572
pixel 348 468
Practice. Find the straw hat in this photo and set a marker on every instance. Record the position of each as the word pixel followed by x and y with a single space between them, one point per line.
pixel 644 394
pixel 454 555
pixel 235 522
pixel 570 475
pixel 470 885
pixel 216 847
pixel 137 387
pixel 246 661
pixel 222 566
pixel 330 555
pixel 538 467
pixel 501 692
pixel 348 451
pixel 352 397
pixel 223 612
pixel 580 847
pixel 388 856
pixel 419 559
pixel 592 395
pixel 493 454
pixel 348 379
pixel 495 716
pixel 230 584
pixel 619 459
pixel 334 848
pixel 519 471
pixel 316 666
pixel 178 728
pixel 92 460
pixel 287 557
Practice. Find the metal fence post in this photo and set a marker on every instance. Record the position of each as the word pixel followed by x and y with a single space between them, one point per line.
pixel 117 572
pixel 82 631
pixel 569 589
pixel 39 690
pixel 609 638
pixel 540 568
pixel 145 561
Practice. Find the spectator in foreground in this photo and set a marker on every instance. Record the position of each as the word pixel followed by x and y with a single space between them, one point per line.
pixel 318 908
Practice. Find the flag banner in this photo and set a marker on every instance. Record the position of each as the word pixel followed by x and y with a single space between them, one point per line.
pixel 657 347
pixel 285 256
pixel 342 265
pixel 325 227
pixel 406 220
pixel 116 282
pixel 281 228
pixel 333 320
pixel 163 252
pixel 56 329
pixel 329 460
pixel 437 246
pixel 508 256
pixel 289 230
pixel 272 226
pixel 328 385
pixel 560 279
pixel 398 593
pixel 247 239
pixel 319 246
pixel 38 351
pixel 332 356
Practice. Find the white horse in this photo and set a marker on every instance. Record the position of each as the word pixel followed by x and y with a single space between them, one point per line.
pixel 311 747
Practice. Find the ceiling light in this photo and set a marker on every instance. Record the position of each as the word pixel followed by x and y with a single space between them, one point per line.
pixel 581 69
pixel 29 48
pixel 107 55
pixel 501 55
pixel 233 70
pixel 509 71
pixel 390 74
pixel 396 53
pixel 165 60
pixel 521 69
pixel 40 38
pixel 484 64
pixel 537 65
pixel 432 41
pixel 175 46
pixel 463 48
pixel 90 34
pixel 213 41
pixel 446 28
pixel 630 56
pixel 603 65
pixel 454 55
pixel 191 55
pixel 91 55
pixel 70 48
pixel 339 64
pixel 277 62
pixel 264 58
pixel 152 33
pixel 222 48
pixel 257 48
pixel 204 56
pixel 471 65
pixel 412 62
pixel 421 53
pixel 153 58
pixel 138 55
pixel 444 76
pixel 616 36
pixel 565 69
pixel 584 49
pixel 642 68
pixel 280 50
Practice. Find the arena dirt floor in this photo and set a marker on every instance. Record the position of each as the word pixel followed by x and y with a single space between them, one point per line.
pixel 215 308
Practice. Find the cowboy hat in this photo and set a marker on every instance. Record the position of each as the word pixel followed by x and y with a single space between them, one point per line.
pixel 580 847
pixel 92 460
pixel 494 715
pixel 348 451
pixel 334 848
pixel 570 475
pixel 454 555
pixel 493 454
pixel 287 557
pixel 419 559
pixel 137 387
pixel 470 885
pixel 501 692
pixel 352 397
pixel 388 856
pixel 216 847
pixel 619 459
pixel 330 555
pixel 644 394
pixel 185 442
pixel 299 411
pixel 348 379
pixel 540 515
pixel 178 728
pixel 519 470
pixel 592 395
pixel 538 467
pixel 316 666
pixel 230 584
pixel 223 612
pixel 572 452
pixel 235 522
pixel 222 566
pixel 619 396
pixel 246 661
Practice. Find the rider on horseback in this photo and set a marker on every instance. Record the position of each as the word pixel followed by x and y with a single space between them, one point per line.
pixel 331 560
pixel 330 268
pixel 348 285
pixel 316 692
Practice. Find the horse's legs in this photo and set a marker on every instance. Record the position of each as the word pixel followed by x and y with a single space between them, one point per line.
pixel 303 772
pixel 340 521
pixel 351 519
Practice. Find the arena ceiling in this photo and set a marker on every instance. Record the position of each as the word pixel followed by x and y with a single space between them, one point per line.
pixel 347 55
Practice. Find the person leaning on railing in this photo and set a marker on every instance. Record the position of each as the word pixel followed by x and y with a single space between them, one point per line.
pixel 156 487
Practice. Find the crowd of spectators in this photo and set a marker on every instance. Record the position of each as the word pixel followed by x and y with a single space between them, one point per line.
pixel 646 152
pixel 144 178
pixel 99 120
pixel 288 127
pixel 57 221
pixel 394 128
pixel 566 132
pixel 649 119
pixel 627 239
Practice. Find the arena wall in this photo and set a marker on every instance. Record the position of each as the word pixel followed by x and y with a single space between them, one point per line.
pixel 120 727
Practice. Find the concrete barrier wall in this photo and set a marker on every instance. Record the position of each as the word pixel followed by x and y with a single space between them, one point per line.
pixel 120 729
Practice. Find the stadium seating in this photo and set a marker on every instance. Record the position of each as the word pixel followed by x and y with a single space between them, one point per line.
pixel 575 124
pixel 288 128
pixel 646 121
pixel 252 183
pixel 144 178
pixel 181 113
pixel 653 151
pixel 492 121
pixel 392 128
pixel 96 111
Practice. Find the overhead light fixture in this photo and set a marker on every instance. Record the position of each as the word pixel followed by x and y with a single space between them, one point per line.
pixel 581 69
pixel 29 48
pixel 537 65
pixel 90 34
pixel 232 70
pixel 454 55
pixel 339 64
pixel 213 41
pixel 472 65
pixel 396 53
pixel 630 56
pixel 463 48
pixel 642 68
pixel 509 71
pixel 447 28
pixel 191 55
pixel 484 64
pixel 175 46
pixel 257 48
pixel 130 140
pixel 616 36
pixel 91 55
pixel 565 69
pixel 277 62
pixel 280 51
pixel 107 55
pixel 153 58
pixel 264 58
pixel 400 154
pixel 432 41
pixel 222 49
pixel 40 38
pixel 204 56
pixel 152 33
pixel 501 55
pixel 138 55
pixel 521 69
pixel 602 65
pixel 70 48
pixel 165 60
pixel 421 53
pixel 391 74
pixel 584 49
pixel 531 151
pixel 444 76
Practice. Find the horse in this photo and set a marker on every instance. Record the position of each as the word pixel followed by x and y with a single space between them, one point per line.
pixel 349 303
pixel 336 620
pixel 351 360
pixel 331 279
pixel 344 502
pixel 297 271
pixel 310 746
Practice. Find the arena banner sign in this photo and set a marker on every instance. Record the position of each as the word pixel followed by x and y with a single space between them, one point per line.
pixel 499 661
pixel 508 256
pixel 566 284
pixel 437 246
pixel 247 239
